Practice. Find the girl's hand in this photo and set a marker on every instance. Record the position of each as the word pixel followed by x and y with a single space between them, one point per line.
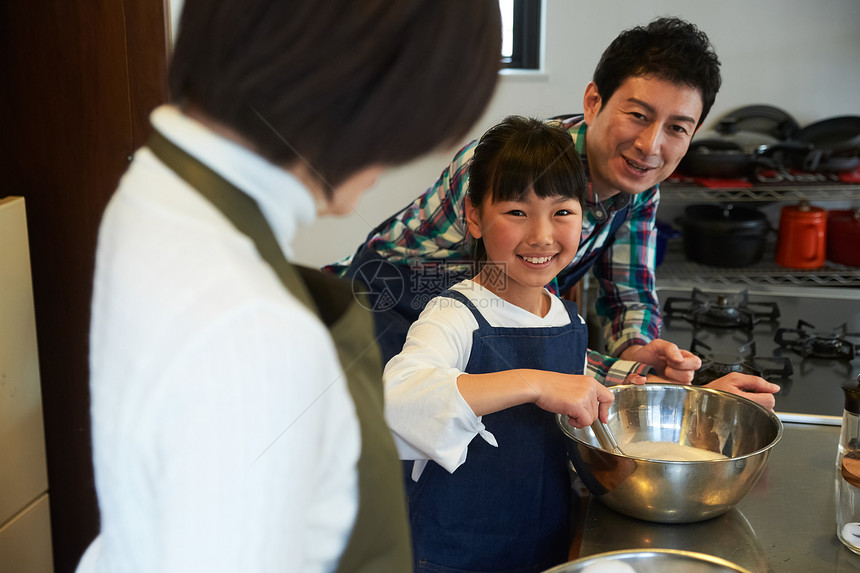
pixel 582 398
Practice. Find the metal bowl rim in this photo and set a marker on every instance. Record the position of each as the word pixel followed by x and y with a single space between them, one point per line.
pixel 561 420
pixel 696 556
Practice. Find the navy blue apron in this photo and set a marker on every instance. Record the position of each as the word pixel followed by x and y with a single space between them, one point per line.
pixel 399 292
pixel 507 508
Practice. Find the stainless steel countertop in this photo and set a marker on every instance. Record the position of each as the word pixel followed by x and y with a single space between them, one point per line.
pixel 786 523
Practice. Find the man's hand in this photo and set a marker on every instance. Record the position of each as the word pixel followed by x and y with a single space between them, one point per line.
pixel 672 363
pixel 756 389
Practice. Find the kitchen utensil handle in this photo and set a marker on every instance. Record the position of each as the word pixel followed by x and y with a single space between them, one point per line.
pixel 605 437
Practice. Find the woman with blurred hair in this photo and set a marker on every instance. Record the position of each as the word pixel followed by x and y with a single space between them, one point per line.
pixel 237 398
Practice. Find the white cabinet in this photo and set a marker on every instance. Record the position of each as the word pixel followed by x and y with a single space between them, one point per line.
pixel 25 528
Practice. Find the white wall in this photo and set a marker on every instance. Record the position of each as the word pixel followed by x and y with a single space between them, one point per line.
pixel 801 56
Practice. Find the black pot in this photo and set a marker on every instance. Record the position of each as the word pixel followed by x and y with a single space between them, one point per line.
pixel 712 158
pixel 723 235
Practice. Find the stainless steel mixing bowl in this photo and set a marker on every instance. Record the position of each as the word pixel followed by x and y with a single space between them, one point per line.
pixel 649 561
pixel 675 491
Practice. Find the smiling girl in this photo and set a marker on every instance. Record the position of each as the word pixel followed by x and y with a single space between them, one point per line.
pixel 496 356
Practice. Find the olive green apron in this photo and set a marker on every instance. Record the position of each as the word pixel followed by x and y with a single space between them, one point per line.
pixel 380 536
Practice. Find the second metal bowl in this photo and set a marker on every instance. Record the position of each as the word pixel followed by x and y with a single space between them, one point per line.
pixel 649 561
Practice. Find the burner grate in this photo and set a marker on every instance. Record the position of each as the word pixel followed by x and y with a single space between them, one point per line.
pixel 721 310
pixel 810 344
pixel 744 361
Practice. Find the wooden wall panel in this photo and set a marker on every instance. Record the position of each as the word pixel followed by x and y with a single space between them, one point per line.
pixel 79 78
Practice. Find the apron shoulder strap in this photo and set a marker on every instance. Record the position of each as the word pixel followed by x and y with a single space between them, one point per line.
pixel 572 309
pixel 331 295
pixel 458 296
pixel 244 213
pixel 379 540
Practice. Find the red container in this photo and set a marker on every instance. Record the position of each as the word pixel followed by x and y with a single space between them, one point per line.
pixel 843 237
pixel 802 237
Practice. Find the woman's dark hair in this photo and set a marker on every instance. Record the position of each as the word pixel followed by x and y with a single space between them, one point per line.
pixel 337 85
pixel 520 154
pixel 668 48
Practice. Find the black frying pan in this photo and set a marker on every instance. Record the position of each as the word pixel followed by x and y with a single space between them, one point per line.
pixel 766 119
pixel 835 145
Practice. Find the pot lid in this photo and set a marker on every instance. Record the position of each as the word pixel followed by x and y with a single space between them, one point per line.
pixel 763 118
pixel 725 212
pixel 842 133
pixel 725 218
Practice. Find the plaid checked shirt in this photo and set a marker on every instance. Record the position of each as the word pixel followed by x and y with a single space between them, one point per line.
pixel 433 228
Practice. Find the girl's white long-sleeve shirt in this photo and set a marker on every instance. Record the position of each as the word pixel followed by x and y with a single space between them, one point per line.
pixel 424 408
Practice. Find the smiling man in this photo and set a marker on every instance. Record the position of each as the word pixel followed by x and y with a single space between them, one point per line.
pixel 637 137
pixel 651 90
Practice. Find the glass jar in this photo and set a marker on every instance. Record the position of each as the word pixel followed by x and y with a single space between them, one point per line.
pixel 848 471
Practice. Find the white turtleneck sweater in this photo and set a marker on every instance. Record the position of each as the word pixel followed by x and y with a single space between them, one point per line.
pixel 224 436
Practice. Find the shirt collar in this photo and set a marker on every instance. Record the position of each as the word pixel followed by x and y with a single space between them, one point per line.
pixel 284 201
pixel 618 201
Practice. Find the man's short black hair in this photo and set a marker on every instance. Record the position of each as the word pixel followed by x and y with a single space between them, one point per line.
pixel 670 49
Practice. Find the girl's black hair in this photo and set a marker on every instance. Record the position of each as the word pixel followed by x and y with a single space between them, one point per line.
pixel 520 154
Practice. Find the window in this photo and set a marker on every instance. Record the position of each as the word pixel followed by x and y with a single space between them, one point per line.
pixel 520 33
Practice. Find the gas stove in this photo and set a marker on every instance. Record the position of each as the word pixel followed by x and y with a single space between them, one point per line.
pixel 725 310
pixel 805 339
pixel 834 344
pixel 717 364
